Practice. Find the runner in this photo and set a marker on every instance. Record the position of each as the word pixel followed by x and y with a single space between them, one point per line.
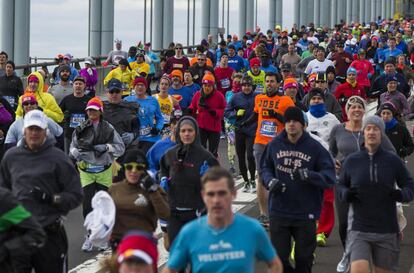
pixel 199 68
pixel 150 117
pixel 268 113
pixel 45 100
pixel 295 177
pixel 91 77
pixel 212 243
pixel 139 201
pixel 177 89
pixel 179 61
pixel 73 106
pixel 64 87
pixel 257 75
pixel 395 96
pixel 373 232
pixel 95 145
pixel 123 73
pixel 51 192
pixel 239 108
pixel 181 169
pixel 208 106
pixel 116 55
pixel 11 86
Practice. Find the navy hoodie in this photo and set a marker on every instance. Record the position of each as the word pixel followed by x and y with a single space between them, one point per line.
pixel 375 177
pixel 301 200
pixel 242 101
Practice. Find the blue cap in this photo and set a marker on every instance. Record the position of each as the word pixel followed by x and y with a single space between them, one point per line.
pixel 391 79
pixel 114 84
pixel 351 70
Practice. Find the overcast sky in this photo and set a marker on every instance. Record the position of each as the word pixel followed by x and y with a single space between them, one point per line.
pixel 62 26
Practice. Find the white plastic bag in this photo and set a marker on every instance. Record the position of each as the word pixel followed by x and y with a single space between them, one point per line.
pixel 100 221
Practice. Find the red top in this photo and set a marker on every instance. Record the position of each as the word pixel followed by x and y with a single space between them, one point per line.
pixel 223 79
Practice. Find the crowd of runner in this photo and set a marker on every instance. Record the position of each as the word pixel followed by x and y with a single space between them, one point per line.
pixel 292 106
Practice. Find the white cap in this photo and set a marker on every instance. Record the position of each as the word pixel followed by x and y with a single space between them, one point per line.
pixel 35 118
pixel 88 60
pixel 353 41
pixel 249 42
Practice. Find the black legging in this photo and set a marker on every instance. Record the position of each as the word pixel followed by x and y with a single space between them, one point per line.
pixel 244 146
pixel 213 139
pixel 342 209
pixel 88 193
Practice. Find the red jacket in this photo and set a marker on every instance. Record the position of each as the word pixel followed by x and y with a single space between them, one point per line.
pixel 223 79
pixel 363 68
pixel 205 119
pixel 345 91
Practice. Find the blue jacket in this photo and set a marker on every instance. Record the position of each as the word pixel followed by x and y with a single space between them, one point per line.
pixel 301 200
pixel 149 109
pixel 157 150
pixel 236 62
pixel 375 177
pixel 241 101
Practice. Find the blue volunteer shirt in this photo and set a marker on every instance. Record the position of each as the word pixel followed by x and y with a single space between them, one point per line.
pixel 236 62
pixel 228 250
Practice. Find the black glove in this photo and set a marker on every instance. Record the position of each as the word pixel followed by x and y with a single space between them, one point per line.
pixel 352 195
pixel 276 115
pixel 154 131
pixel 301 174
pixel 203 104
pixel 403 152
pixel 276 186
pixel 41 196
pixel 212 112
pixel 148 183
pixel 342 100
pixel 396 195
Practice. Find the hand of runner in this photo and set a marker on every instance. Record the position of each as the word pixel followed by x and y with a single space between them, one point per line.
pixel 396 195
pixel 300 174
pixel 276 186
pixel 352 195
pixel 148 183
pixel 41 196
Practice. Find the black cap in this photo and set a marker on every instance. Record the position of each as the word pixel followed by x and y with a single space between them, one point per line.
pixel 286 67
pixel 114 84
pixel 123 62
pixel 231 47
pixel 294 113
pixel 387 106
pixel 136 156
pixel 316 92
pixel 64 67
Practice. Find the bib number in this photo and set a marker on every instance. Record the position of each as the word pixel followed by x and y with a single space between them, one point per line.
pixel 225 83
pixel 76 120
pixel 144 131
pixel 268 128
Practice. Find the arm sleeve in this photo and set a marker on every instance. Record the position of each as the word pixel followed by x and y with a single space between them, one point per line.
pixel 109 76
pixel 230 111
pixel 160 204
pixel 179 257
pixel 54 128
pixel 71 190
pixel 158 116
pixel 264 248
pixel 324 175
pixel 267 166
pixel 53 110
pixel 117 147
pixel 11 136
pixel 333 148
pixel 405 182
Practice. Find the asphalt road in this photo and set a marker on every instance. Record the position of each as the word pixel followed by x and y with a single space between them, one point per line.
pixel 326 258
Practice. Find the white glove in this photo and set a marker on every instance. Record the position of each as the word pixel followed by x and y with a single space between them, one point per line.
pixel 90 72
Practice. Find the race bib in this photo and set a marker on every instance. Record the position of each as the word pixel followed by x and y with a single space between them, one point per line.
pixel 10 100
pixel 94 168
pixel 144 131
pixel 268 128
pixel 225 83
pixel 259 88
pixel 167 118
pixel 76 120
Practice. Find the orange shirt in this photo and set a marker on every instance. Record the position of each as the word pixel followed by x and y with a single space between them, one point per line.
pixel 268 127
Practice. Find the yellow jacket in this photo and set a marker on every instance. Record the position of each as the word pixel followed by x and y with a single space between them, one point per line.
pixel 45 101
pixel 126 77
pixel 142 67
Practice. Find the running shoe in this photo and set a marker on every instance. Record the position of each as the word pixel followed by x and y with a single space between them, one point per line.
pixel 253 186
pixel 246 186
pixel 103 246
pixel 343 265
pixel 321 239
pixel 264 220
pixel 87 245
pixel 222 135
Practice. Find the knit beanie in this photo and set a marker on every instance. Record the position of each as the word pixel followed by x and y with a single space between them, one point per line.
pixel 387 106
pixel 375 120
pixel 351 70
pixel 136 156
pixel 208 79
pixel 330 69
pixel 140 80
pixel 254 62
pixel 290 83
pixel 177 73
pixel 354 100
pixel 316 92
pixel 95 103
pixel 294 113
pixel 64 67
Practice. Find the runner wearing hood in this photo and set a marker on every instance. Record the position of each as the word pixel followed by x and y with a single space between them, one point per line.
pixel 181 169
pixel 45 100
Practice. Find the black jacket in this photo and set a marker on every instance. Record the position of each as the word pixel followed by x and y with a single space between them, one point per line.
pixel 401 140
pixel 48 168
pixel 123 116
pixel 184 165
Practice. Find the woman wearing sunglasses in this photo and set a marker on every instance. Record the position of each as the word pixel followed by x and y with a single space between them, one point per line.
pixel 139 201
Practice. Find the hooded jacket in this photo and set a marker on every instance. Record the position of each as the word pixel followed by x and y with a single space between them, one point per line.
pixel 374 177
pixel 183 165
pixel 47 168
pixel 301 199
pixel 123 116
pixel 246 102
pixel 45 100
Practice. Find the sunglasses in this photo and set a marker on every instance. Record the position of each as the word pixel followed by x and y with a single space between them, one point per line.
pixel 135 166
pixel 29 103
pixel 178 48
pixel 319 81
pixel 203 60
pixel 115 91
